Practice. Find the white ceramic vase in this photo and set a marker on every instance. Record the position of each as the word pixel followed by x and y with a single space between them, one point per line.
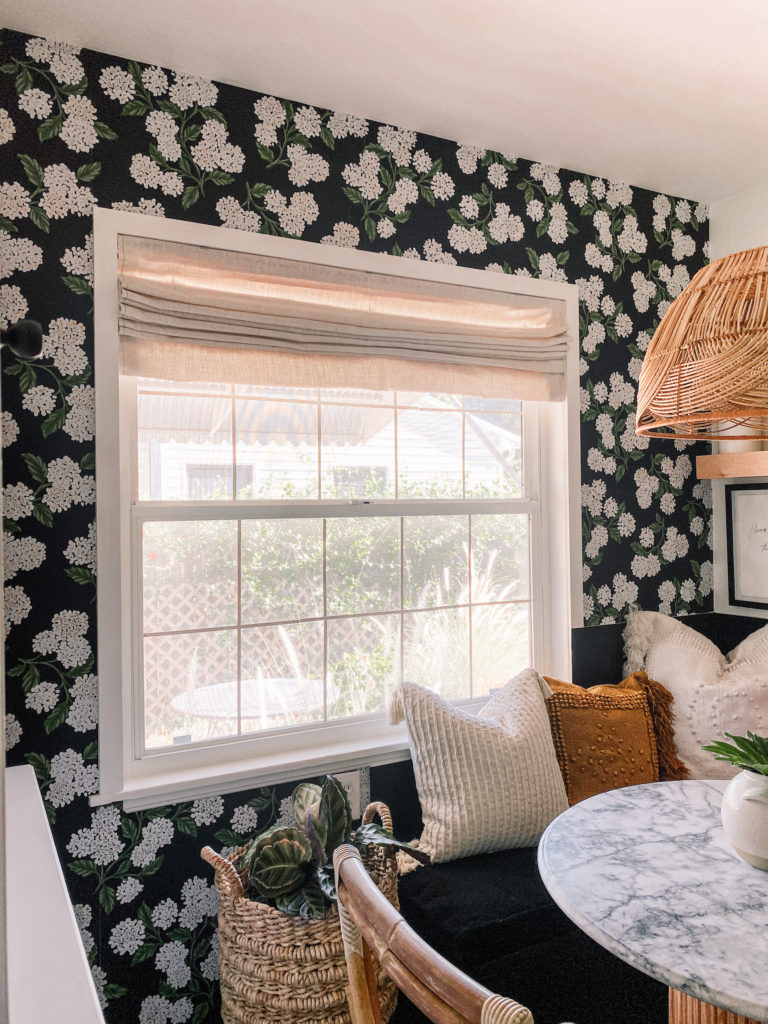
pixel 745 817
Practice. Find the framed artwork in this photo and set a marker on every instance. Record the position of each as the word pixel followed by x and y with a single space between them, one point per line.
pixel 746 524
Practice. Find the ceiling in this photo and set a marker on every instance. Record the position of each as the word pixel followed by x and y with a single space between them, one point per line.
pixel 667 94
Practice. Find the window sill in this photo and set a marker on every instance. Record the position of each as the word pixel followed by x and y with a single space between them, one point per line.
pixel 235 776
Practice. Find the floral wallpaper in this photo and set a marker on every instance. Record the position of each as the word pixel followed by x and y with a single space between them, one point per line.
pixel 79 129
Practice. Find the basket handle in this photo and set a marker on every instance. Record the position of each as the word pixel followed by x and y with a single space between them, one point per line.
pixel 383 812
pixel 228 881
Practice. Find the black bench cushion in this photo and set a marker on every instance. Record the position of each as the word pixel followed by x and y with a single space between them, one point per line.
pixel 472 909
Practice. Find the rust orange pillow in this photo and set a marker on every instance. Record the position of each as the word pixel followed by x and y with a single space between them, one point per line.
pixel 612 735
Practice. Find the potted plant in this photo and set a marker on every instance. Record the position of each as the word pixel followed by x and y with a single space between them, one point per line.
pixel 292 868
pixel 745 800
pixel 281 954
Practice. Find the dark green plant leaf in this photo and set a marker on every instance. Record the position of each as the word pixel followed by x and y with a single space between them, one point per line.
pixel 201 1012
pixel 144 953
pixel 221 177
pixel 186 826
pixel 315 832
pixel 335 814
pixel 136 108
pixel 79 574
pixel 88 461
pixel 328 139
pixel 306 795
pixel 91 752
pixel 227 837
pixel 308 903
pixel 190 196
pixel 211 114
pixel 24 80
pixel 41 765
pixel 366 835
pixel 266 154
pixel 31 677
pixel 78 285
pixel 8 225
pixel 37 468
pixel 153 867
pixel 107 899
pixel 326 879
pixel 278 862
pixel 113 991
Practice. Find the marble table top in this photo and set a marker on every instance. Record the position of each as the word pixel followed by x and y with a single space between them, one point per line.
pixel 647 872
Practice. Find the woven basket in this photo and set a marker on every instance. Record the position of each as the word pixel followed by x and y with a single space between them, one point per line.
pixel 278 968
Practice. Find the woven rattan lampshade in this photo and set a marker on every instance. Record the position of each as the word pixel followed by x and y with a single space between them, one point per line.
pixel 705 374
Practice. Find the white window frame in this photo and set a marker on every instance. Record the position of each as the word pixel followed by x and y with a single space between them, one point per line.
pixel 551 456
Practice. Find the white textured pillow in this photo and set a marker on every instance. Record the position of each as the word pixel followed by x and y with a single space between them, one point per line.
pixel 486 782
pixel 713 694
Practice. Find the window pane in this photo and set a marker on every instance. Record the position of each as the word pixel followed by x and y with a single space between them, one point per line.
pixel 184 440
pixel 190 575
pixel 358 452
pixel 187 677
pixel 261 391
pixel 282 669
pixel 500 557
pixel 429 454
pixel 282 569
pixel 363 663
pixel 427 400
pixel 435 560
pixel 362 565
pixel 277 441
pixel 493 457
pixel 500 644
pixel 436 651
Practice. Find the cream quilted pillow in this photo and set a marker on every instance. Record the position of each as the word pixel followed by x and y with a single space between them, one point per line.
pixel 486 782
pixel 713 694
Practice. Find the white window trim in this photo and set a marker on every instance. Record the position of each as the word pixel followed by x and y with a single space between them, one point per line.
pixel 244 763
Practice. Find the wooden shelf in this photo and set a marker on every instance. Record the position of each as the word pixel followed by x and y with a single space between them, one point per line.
pixel 732 465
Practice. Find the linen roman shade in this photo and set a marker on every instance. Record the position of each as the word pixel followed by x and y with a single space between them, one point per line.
pixel 188 312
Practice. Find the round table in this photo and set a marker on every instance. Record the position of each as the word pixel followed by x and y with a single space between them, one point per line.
pixel 646 871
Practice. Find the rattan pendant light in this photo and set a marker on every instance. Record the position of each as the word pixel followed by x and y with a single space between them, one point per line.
pixel 705 374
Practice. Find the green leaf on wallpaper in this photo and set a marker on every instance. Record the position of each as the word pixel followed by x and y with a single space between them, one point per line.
pixel 212 114
pixel 144 953
pixel 41 766
pixel 32 169
pixel 374 147
pixel 396 250
pixel 57 717
pixel 533 259
pixel 402 217
pixel 181 935
pixel 76 88
pixel 186 826
pixel 301 139
pixel 27 378
pixel 201 1012
pixel 83 868
pixel 113 991
pixel 541 227
pixel 190 196
pixel 264 152
pixel 39 218
pixel 88 462
pixel 42 513
pixel 353 195
pixel 107 899
pixel 406 172
pixel 78 285
pixel 10 527
pixel 54 422
pixel 79 574
pixel 616 273
pixel 31 678
pixel 190 133
pixel 169 107
pixel 221 177
pixel 562 258
pixel 259 190
pixel 24 80
pixel 427 193
pixel 50 127
pixel 437 165
pixel 227 837
pixel 136 108
pixel 9 68
pixel 370 228
pixel 458 218
pixel 325 135
pixel 387 178
pixel 91 752
pixel 77 378
pixel 620 471
pixel 87 172
pixel 17 670
pixel 153 867
pixel 7 225
pixel 104 131
pixel 571 228
pixel 37 468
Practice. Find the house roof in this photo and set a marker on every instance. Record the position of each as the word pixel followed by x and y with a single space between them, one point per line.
pixel 666 95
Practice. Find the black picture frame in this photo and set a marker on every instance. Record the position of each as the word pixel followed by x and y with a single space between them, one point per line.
pixel 746 528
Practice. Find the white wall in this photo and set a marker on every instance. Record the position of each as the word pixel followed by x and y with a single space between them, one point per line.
pixel 739 222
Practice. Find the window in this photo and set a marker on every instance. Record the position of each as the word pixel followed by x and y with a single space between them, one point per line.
pixel 287 554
